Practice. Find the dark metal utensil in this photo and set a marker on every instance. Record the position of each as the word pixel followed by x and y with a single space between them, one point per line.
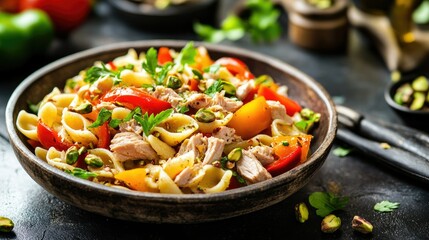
pixel 409 148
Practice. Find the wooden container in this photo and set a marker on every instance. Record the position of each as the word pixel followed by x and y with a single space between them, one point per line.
pixel 318 29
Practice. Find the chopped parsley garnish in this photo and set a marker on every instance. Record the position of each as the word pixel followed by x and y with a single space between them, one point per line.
pixel 386 206
pixel 95 73
pixel 187 54
pixel 102 117
pixel 214 88
pixel 212 69
pixel 163 73
pixel 149 122
pixel 80 173
pixel 34 108
pixel 151 62
pixel 197 74
pixel 325 203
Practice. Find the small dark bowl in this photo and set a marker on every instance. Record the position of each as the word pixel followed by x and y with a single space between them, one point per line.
pixel 416 118
pixel 171 208
pixel 173 18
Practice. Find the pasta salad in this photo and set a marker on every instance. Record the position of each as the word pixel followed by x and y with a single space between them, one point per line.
pixel 170 121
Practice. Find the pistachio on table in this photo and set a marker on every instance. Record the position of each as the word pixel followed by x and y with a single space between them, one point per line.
pixel 360 224
pixel 301 212
pixel 330 223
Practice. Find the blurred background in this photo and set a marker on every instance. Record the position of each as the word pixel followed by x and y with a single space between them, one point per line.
pixel 49 29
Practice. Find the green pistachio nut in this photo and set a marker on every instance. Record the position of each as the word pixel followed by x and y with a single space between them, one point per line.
pixel 229 88
pixel 361 225
pixel 419 101
pixel 83 108
pixel 235 154
pixel 174 82
pixel 403 94
pixel 301 212
pixel 205 116
pixel 330 223
pixel 93 160
pixel 6 225
pixel 72 154
pixel 420 84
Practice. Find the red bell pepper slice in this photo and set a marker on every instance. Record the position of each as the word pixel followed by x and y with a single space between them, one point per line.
pixel 291 106
pixel 236 67
pixel 286 162
pixel 164 56
pixel 133 97
pixel 49 138
pixel 104 136
pixel 112 66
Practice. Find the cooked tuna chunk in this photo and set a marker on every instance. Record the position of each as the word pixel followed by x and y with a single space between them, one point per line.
pixel 200 100
pixel 251 169
pixel 131 126
pixel 197 144
pixel 187 176
pixel 214 150
pixel 226 133
pixel 168 95
pixel 264 154
pixel 278 111
pixel 131 146
pixel 244 89
pixel 228 104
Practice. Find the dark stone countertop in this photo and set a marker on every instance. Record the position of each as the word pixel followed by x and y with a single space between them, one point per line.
pixel 357 77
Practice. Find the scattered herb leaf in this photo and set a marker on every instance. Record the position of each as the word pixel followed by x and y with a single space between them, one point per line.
pixel 341 151
pixel 214 88
pixel 187 54
pixel 386 206
pixel 325 203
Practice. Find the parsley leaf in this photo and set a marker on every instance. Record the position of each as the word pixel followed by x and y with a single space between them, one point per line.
pixel 212 69
pixel 386 206
pixel 80 173
pixel 214 88
pixel 325 203
pixel 151 62
pixel 94 73
pixel 262 24
pixel 187 54
pixel 149 122
pixel 163 73
pixel 102 117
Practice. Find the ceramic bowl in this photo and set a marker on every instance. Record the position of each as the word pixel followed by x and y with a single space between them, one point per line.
pixel 173 18
pixel 171 208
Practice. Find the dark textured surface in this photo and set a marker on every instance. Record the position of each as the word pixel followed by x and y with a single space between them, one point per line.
pixel 358 77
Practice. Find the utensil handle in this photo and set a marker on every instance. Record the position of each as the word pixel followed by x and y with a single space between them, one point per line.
pixel 405 138
pixel 413 165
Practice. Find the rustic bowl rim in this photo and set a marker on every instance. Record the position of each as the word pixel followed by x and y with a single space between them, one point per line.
pixel 320 152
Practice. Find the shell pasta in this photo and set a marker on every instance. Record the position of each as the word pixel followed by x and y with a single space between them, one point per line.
pixel 170 121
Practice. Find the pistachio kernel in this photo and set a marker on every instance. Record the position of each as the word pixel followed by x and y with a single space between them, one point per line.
pixel 235 154
pixel 361 225
pixel 205 116
pixel 174 82
pixel 93 161
pixel 330 223
pixel 6 225
pixel 72 155
pixel 301 212
pixel 83 108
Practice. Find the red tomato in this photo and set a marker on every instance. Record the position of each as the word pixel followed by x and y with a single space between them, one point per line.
pixel 236 67
pixel 291 106
pixel 65 14
pixel 49 138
